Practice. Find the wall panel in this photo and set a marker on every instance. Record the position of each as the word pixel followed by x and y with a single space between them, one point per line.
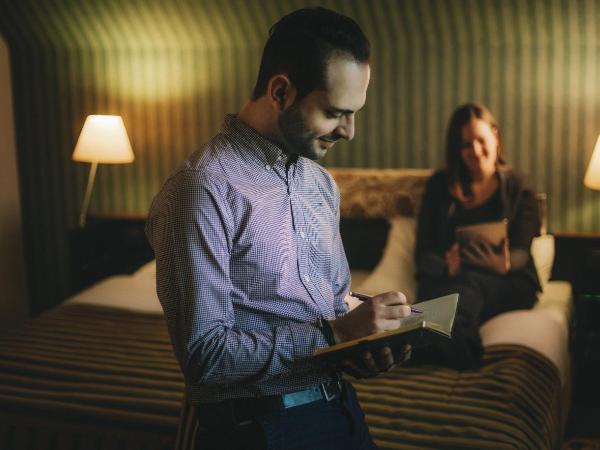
pixel 172 69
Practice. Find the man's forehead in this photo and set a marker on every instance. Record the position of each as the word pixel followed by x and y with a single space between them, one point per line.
pixel 343 65
pixel 346 83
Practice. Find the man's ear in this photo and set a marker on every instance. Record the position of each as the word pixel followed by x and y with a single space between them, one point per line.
pixel 281 92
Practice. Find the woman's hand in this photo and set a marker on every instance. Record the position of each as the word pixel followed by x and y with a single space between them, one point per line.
pixel 481 253
pixel 453 260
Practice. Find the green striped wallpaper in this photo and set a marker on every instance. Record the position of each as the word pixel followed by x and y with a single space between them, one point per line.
pixel 173 68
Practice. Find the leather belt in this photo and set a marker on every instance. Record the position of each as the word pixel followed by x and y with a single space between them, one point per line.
pixel 246 408
pixel 323 391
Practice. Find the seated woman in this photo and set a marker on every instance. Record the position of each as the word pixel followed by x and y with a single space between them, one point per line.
pixel 475 187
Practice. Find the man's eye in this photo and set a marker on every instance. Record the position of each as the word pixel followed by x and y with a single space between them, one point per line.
pixel 333 114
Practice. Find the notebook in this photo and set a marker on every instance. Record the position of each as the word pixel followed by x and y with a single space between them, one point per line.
pixel 419 329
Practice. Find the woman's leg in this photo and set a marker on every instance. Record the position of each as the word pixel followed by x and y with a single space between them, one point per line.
pixel 483 295
pixel 514 291
pixel 464 350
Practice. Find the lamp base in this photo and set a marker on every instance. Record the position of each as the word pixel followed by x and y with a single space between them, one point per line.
pixel 88 194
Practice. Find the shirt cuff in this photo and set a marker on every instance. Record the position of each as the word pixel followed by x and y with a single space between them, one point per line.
pixel 306 338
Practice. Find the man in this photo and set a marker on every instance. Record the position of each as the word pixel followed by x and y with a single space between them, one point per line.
pixel 251 271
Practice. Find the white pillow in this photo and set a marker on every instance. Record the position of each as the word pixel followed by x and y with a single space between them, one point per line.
pixel 542 251
pixel 396 269
pixel 134 293
pixel 148 270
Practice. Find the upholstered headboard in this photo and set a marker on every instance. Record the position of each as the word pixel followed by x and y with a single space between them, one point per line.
pixel 380 193
pixel 369 198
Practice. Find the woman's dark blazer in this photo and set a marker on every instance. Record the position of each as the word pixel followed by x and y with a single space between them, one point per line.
pixel 519 206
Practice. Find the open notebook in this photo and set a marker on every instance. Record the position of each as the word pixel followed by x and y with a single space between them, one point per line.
pixel 435 322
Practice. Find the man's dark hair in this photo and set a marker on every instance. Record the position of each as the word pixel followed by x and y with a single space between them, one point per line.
pixel 301 43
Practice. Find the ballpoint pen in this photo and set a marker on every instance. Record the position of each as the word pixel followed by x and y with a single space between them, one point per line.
pixel 365 297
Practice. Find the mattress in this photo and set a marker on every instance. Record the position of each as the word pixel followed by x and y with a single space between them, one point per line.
pixel 513 401
pixel 99 372
pixel 85 376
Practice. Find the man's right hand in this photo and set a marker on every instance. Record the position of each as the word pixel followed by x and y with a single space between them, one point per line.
pixel 380 313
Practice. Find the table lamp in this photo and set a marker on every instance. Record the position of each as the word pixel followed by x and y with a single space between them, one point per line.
pixel 103 139
pixel 592 175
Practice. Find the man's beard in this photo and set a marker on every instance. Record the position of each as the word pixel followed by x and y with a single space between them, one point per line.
pixel 297 138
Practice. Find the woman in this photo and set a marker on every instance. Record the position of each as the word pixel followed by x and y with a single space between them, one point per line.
pixel 475 187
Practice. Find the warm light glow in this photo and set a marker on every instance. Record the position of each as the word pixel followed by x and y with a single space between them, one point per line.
pixel 103 139
pixel 592 175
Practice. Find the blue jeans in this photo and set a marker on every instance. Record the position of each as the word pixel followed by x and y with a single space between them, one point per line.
pixel 338 424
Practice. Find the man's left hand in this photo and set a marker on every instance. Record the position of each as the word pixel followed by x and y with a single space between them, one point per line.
pixel 370 365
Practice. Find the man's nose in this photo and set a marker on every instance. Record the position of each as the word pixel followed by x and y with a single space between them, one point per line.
pixel 346 128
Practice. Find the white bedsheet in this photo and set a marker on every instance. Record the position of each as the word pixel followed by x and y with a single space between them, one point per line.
pixel 545 328
pixel 136 292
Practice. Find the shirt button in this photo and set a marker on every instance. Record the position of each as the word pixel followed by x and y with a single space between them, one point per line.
pixel 302 234
pixel 306 278
pixel 268 167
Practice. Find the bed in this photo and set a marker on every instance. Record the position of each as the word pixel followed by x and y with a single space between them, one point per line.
pixel 520 398
pixel 98 371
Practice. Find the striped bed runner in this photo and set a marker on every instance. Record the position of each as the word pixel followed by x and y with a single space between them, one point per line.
pixel 89 377
pixel 512 402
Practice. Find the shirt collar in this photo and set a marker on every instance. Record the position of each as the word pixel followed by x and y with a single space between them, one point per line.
pixel 269 153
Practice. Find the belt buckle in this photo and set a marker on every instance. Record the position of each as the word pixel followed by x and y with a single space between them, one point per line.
pixel 327 395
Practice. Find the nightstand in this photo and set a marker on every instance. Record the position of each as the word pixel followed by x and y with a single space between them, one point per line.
pixel 109 244
pixel 588 342
pixel 577 260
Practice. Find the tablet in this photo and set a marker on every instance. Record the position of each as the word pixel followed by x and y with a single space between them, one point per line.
pixel 494 232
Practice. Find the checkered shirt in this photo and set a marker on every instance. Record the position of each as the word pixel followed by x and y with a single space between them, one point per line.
pixel 248 258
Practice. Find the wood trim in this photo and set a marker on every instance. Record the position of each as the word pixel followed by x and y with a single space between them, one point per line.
pixel 118 215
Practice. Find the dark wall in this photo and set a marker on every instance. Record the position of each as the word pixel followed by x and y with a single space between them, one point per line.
pixel 173 68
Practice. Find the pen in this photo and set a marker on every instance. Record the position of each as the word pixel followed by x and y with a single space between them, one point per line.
pixel 364 298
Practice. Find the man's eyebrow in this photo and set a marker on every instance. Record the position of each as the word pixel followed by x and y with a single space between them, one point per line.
pixel 345 111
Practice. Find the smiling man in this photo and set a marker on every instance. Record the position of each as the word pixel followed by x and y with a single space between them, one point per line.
pixel 251 271
pixel 311 125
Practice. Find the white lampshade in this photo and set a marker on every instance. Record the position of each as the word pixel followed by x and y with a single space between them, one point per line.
pixel 592 175
pixel 103 139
